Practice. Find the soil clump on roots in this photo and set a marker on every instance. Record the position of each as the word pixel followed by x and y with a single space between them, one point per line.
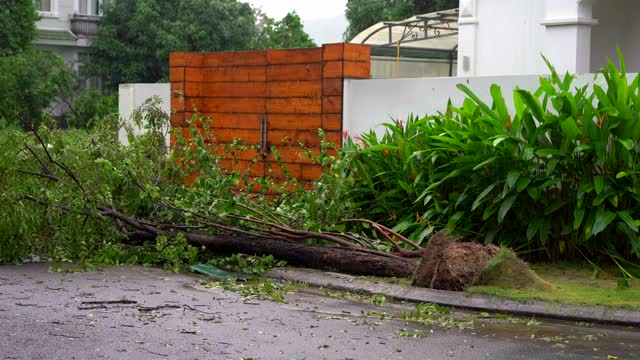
pixel 448 263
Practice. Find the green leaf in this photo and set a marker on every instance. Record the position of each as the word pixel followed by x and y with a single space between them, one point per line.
pixel 482 195
pixel 578 215
pixel 532 103
pixel 627 143
pixel 485 163
pixel 522 183
pixel 602 220
pixel 546 152
pixel 505 207
pixel 512 177
pixel 626 217
pixel 555 206
pixel 533 227
pixel 598 182
pixel 570 128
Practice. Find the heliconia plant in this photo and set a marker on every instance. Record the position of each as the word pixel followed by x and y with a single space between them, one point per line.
pixel 558 177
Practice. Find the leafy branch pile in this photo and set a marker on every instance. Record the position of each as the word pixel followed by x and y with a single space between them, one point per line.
pixel 95 193
pixel 557 179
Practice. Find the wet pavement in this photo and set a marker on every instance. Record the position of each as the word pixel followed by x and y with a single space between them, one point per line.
pixel 145 313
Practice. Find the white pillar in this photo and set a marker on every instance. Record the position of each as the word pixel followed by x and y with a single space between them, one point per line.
pixel 467 38
pixel 567 38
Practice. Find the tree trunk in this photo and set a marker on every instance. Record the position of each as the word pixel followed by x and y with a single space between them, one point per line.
pixel 314 256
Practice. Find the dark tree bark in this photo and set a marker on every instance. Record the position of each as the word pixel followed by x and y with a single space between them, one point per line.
pixel 319 257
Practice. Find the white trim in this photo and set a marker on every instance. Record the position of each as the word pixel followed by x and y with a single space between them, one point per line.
pixel 569 22
pixel 468 21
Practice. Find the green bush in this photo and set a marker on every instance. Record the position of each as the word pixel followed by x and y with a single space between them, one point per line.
pixel 559 178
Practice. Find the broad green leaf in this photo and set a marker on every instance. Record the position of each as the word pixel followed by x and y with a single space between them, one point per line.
pixel 485 163
pixel 570 128
pixel 598 182
pixel 602 220
pixel 505 207
pixel 482 195
pixel 498 102
pixel 627 143
pixel 626 217
pixel 533 227
pixel 512 177
pixel 522 183
pixel 555 206
pixel 485 109
pixel 546 152
pixel 532 103
pixel 578 215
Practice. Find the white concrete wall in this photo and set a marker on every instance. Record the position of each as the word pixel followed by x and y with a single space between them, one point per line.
pixel 617 26
pixel 386 67
pixel 370 103
pixel 133 96
pixel 507 37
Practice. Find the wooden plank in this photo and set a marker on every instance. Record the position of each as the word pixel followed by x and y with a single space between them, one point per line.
pixel 282 137
pixel 294 88
pixel 357 52
pixel 193 74
pixel 294 56
pixel 294 72
pixel 294 106
pixel 294 121
pixel 287 170
pixel 193 59
pixel 332 70
pixel 357 70
pixel 244 167
pixel 176 74
pixel 309 138
pixel 177 59
pixel 177 119
pixel 177 104
pixel 229 121
pixel 311 172
pixel 291 154
pixel 235 58
pixel 333 51
pixel 235 73
pixel 228 136
pixel 332 122
pixel 332 87
pixel 229 105
pixel 193 89
pixel 235 89
pixel 332 104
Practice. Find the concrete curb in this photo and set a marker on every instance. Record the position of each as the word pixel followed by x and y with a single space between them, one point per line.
pixel 539 309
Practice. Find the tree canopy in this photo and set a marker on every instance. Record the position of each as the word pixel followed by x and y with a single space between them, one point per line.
pixel 17 25
pixel 362 14
pixel 135 37
pixel 283 34
pixel 29 79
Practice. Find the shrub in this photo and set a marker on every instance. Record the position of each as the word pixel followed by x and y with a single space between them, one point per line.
pixel 556 178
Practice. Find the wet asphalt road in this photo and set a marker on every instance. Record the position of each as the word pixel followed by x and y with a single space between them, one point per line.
pixel 47 315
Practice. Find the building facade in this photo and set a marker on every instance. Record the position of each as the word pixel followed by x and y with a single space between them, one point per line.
pixel 507 37
pixel 67 28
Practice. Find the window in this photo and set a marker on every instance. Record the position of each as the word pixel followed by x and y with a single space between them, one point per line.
pixel 89 7
pixel 44 5
pixel 86 82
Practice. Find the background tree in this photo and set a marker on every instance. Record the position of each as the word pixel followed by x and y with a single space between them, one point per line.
pixel 362 14
pixel 283 34
pixel 135 37
pixel 17 25
pixel 29 79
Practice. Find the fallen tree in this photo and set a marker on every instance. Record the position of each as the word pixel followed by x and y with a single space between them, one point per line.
pixel 244 226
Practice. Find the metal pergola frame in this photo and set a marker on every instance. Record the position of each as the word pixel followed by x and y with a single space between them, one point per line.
pixel 420 28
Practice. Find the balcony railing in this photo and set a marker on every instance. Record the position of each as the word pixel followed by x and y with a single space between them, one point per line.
pixel 84 25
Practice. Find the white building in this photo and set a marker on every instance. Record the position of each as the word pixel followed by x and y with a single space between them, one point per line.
pixel 67 27
pixel 506 37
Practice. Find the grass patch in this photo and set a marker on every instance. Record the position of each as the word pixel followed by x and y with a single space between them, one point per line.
pixel 571 283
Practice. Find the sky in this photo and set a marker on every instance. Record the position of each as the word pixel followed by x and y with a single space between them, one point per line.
pixel 323 19
pixel 307 9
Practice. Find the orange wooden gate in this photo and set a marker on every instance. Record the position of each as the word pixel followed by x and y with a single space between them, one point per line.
pixel 272 98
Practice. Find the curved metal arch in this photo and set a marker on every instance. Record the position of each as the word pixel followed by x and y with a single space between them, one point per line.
pixel 421 25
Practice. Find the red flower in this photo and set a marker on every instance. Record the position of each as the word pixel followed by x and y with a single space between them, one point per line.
pixel 345 134
pixel 509 122
pixel 400 123
pixel 386 152
pixel 601 121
